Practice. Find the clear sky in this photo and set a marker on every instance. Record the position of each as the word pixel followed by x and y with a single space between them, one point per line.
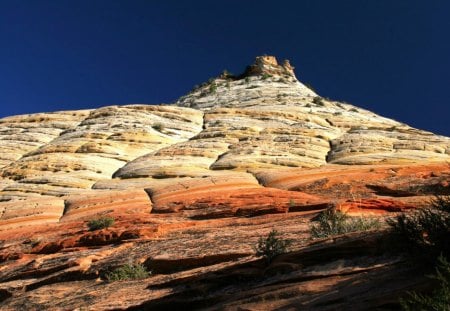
pixel 389 56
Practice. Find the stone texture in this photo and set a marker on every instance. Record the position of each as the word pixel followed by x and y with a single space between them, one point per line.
pixel 25 133
pixel 100 145
pixel 365 145
pixel 95 203
pixel 31 212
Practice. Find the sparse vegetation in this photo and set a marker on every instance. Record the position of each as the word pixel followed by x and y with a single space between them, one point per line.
pixel 354 110
pixel 226 74
pixel 128 272
pixel 212 87
pixel 332 222
pixel 318 101
pixel 426 231
pixel 266 76
pixel 424 235
pixel 100 223
pixel 158 127
pixel 271 246
pixel 247 79
pixel 439 299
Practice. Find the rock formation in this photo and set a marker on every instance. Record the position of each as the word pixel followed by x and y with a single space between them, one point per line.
pixel 193 185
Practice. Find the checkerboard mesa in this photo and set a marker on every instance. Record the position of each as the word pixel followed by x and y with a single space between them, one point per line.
pixel 193 185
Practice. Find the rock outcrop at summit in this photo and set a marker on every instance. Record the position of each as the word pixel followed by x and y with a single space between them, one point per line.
pixel 193 185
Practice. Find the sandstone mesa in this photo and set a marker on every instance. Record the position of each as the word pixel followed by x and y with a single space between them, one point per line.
pixel 193 185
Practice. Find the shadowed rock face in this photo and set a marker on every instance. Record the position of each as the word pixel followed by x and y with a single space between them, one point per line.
pixel 192 186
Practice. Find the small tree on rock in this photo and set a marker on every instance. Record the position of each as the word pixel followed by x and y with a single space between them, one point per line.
pixel 271 246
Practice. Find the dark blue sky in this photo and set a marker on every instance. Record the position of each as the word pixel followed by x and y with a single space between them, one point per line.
pixel 389 56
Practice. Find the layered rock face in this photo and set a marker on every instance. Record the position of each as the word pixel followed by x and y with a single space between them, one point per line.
pixel 193 185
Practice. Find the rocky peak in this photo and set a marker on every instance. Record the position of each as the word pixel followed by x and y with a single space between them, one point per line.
pixel 268 65
pixel 265 79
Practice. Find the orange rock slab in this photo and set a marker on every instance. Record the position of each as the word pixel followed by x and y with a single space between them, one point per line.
pixel 99 202
pixel 373 206
pixel 202 199
pixel 30 212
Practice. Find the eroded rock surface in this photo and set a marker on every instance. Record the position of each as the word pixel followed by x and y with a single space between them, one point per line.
pixel 24 133
pixel 194 185
pixel 101 144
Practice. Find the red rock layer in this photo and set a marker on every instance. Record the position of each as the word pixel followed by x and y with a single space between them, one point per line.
pixel 106 202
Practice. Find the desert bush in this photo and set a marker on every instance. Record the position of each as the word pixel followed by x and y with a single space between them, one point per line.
pixel 212 87
pixel 266 76
pixel 100 223
pixel 331 222
pixel 426 231
pixel 318 101
pixel 424 235
pixel 226 74
pixel 128 272
pixel 441 203
pixel 439 299
pixel 271 246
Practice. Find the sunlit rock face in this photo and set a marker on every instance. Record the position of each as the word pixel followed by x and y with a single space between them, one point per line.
pixel 24 133
pixel 104 141
pixel 193 185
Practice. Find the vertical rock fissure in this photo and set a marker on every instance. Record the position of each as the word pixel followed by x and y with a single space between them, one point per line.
pixel 149 193
pixel 327 156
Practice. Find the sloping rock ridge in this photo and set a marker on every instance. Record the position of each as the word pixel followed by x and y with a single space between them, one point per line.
pixel 193 185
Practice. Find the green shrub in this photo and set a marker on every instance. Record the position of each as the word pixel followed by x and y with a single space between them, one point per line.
pixel 441 203
pixel 128 272
pixel 100 223
pixel 271 246
pixel 424 235
pixel 426 231
pixel 212 88
pixel 332 222
pixel 439 298
pixel 265 76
